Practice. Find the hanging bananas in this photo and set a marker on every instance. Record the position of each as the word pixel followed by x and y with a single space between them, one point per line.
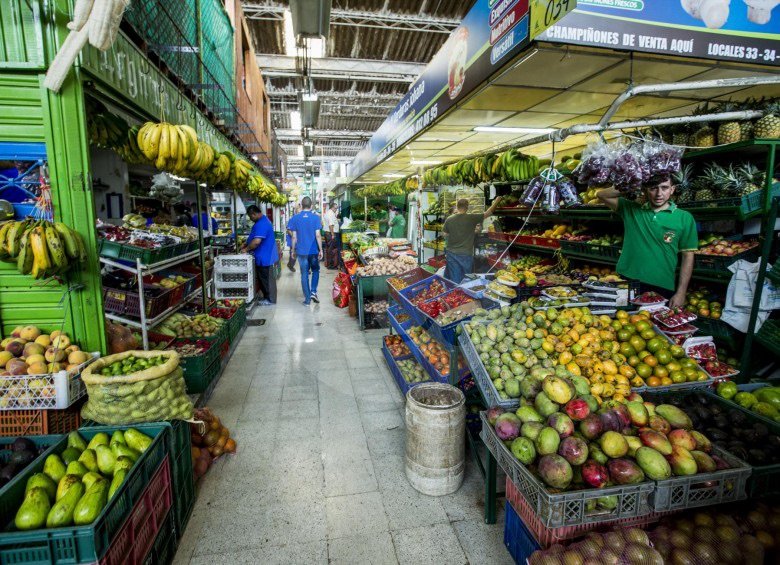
pixel 41 249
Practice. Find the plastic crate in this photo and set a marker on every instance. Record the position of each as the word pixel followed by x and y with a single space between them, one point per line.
pixel 230 293
pixel 227 280
pixel 53 391
pixel 194 365
pixel 721 263
pixel 746 206
pixel 408 294
pixel 448 333
pixel 235 264
pixel 164 546
pixel 585 249
pixel 483 380
pixel 114 250
pixel 15 423
pixel 136 538
pixel 183 475
pixel 546 537
pixel 392 364
pixel 43 445
pixel 80 544
pixel 198 380
pixel 518 540
pixel 405 280
pixel 128 303
pixel 569 508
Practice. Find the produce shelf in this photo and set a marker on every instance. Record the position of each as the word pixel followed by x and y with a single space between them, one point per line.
pixel 154 267
pixel 769 336
pixel 156 320
pixel 742 207
pixel 750 147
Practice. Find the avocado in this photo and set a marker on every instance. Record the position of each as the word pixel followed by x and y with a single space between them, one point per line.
pixel 91 478
pixel 76 468
pixel 70 454
pixel 75 440
pixel 138 441
pixel 61 513
pixel 64 485
pixel 100 438
pixel 43 481
pixel 116 482
pixel 106 460
pixel 89 458
pixel 34 509
pixel 123 449
pixel 22 458
pixel 23 444
pixel 54 467
pixel 90 505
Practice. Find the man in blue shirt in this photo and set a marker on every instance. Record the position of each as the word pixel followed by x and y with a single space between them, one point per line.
pixel 205 217
pixel 307 245
pixel 262 244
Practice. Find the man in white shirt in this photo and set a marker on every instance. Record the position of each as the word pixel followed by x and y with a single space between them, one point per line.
pixel 332 237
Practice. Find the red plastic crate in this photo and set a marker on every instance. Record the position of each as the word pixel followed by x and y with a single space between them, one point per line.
pixel 14 423
pixel 133 542
pixel 547 537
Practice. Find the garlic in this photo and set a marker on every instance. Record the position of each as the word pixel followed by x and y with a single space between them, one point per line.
pixel 760 11
pixel 713 13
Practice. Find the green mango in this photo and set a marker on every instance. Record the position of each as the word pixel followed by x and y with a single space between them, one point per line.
pixel 54 467
pixel 90 505
pixel 34 510
pixel 61 513
pixel 70 454
pixel 89 458
pixel 91 478
pixel 123 462
pixel 106 460
pixel 42 481
pixel 100 438
pixel 65 483
pixel 116 482
pixel 76 468
pixel 123 449
pixel 118 437
pixel 137 440
pixel 75 440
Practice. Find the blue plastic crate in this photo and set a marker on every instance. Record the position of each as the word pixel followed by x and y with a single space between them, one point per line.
pixel 407 294
pixel 517 539
pixel 448 334
pixel 392 364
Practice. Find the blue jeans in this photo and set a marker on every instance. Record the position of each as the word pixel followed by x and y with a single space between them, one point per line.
pixel 457 266
pixel 309 262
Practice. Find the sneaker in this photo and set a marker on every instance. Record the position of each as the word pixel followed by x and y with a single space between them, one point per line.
pixel 265 303
pixel 306 302
pixel 315 298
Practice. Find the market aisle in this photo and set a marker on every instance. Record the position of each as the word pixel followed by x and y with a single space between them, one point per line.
pixel 318 477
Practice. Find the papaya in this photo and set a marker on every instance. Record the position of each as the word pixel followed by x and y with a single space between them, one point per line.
pixel 91 504
pixel 61 514
pixel 34 510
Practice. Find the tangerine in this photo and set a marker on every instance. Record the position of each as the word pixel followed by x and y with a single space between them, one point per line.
pixel 664 356
pixel 633 360
pixel 677 377
pixel 666 381
pixel 661 372
pixel 647 334
pixel 650 361
pixel 653 381
pixel 644 370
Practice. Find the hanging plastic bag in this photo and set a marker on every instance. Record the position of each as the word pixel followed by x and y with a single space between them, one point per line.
pixel 739 297
pixel 342 289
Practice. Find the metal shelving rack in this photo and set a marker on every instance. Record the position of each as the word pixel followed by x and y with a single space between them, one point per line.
pixel 140 270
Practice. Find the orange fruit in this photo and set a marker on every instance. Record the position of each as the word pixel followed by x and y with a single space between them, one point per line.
pixel 653 381
pixel 655 344
pixel 677 352
pixel 621 315
pixel 627 349
pixel 647 334
pixel 637 342
pixel 690 373
pixel 661 372
pixel 663 356
pixel 666 381
pixel 644 370
pixel 642 354
pixel 643 325
pixel 633 360
pixel 650 361
pixel 677 377
pixel 636 318
pixel 673 366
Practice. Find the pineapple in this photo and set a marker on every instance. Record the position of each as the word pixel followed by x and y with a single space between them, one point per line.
pixel 768 127
pixel 704 137
pixel 683 181
pixel 752 178
pixel 711 182
pixel 745 131
pixel 728 132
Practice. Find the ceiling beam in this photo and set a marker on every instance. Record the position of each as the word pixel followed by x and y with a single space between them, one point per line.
pixel 353 135
pixel 353 113
pixel 342 68
pixel 279 106
pixel 384 19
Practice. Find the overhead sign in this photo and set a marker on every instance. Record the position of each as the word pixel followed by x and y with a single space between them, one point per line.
pixel 740 31
pixel 491 34
pixel 546 13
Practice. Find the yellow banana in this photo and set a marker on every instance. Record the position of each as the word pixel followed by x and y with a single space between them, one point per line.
pixel 56 247
pixel 25 259
pixel 41 259
pixel 196 161
pixel 68 240
pixel 193 135
pixel 3 235
pixel 82 247
pixel 143 139
pixel 153 142
pixel 163 151
pixel 15 237
pixel 173 143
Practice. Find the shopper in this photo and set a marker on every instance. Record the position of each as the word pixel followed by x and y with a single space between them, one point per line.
pixel 262 244
pixel 332 237
pixel 209 223
pixel 459 230
pixel 397 224
pixel 307 246
pixel 656 234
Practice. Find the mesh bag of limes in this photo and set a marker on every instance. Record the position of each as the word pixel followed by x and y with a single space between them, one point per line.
pixel 134 387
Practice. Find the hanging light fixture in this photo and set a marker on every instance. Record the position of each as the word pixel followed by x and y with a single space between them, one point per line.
pixel 309 104
pixel 310 18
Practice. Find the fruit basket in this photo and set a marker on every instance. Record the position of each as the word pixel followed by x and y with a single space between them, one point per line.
pixel 573 508
pixel 127 302
pixel 518 540
pixel 88 543
pixel 610 253
pixel 400 282
pixel 721 262
pixel 52 391
pixel 42 445
pixel 194 366
pixel 483 380
pixel 395 370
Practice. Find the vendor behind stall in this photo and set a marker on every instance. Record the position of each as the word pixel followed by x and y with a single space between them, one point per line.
pixel 380 215
pixel 658 235
pixel 459 231
pixel 397 224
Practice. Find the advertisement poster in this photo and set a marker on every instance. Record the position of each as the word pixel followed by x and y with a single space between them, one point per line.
pixel 490 35
pixel 746 31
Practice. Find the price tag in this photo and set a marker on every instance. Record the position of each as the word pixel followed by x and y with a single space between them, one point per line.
pixel 546 13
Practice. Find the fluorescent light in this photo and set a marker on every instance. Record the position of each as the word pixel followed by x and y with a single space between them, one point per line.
pixel 290 48
pixel 413 162
pixel 393 176
pixel 295 119
pixel 499 129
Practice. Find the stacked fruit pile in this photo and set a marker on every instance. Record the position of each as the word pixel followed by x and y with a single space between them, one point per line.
pixel 76 485
pixel 41 249
pixel 29 351
pixel 433 351
pixel 183 326
pixel 629 545
pixel 619 443
pixel 412 371
pixel 210 441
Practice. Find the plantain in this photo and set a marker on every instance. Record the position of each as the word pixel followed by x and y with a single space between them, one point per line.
pixel 82 247
pixel 24 261
pixel 68 240
pixel 3 234
pixel 15 237
pixel 41 259
pixel 56 247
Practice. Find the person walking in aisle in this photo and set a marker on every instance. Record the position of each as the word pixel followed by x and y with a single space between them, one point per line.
pixel 658 236
pixel 459 230
pixel 262 244
pixel 307 246
pixel 332 237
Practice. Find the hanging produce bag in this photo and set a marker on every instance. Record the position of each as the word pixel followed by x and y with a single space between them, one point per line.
pixel 342 289
pixel 134 387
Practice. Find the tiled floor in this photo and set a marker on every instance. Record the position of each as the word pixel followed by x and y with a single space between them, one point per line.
pixel 319 473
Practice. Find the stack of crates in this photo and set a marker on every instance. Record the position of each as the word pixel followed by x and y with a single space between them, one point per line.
pixel 234 277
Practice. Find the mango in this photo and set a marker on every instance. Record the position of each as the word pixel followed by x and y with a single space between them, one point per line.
pixel 523 449
pixel 34 510
pixel 529 414
pixel 625 472
pixel 557 389
pixel 613 444
pixel 531 430
pixel 676 417
pixel 548 441
pixel 544 405
pixel 657 441
pixel 702 442
pixel 61 514
pixel 682 461
pixel 704 462
pixel 91 504
pixel 634 443
pixel 638 414
pixel 682 438
pixel 596 454
pixel 654 465
pixel 660 424
pixel 555 471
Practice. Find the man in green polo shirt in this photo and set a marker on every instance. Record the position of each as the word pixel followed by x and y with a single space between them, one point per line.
pixel 656 233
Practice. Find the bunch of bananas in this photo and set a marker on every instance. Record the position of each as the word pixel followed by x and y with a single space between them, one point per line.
pixel 41 248
pixel 219 171
pixel 240 174
pixel 106 130
pixel 263 190
pixel 508 166
pixel 395 188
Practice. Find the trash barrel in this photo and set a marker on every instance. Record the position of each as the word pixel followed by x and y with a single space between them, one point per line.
pixel 435 438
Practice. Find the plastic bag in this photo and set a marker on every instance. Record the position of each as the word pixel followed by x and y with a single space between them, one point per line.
pixel 155 394
pixel 342 289
pixel 739 297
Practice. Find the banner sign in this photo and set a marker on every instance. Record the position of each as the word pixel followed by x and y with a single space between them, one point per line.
pixel 491 34
pixel 545 13
pixel 742 31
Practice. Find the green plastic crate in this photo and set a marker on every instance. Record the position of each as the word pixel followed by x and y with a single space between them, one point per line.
pixel 183 475
pixel 42 443
pixel 114 250
pixel 79 544
pixel 196 364
pixel 199 382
